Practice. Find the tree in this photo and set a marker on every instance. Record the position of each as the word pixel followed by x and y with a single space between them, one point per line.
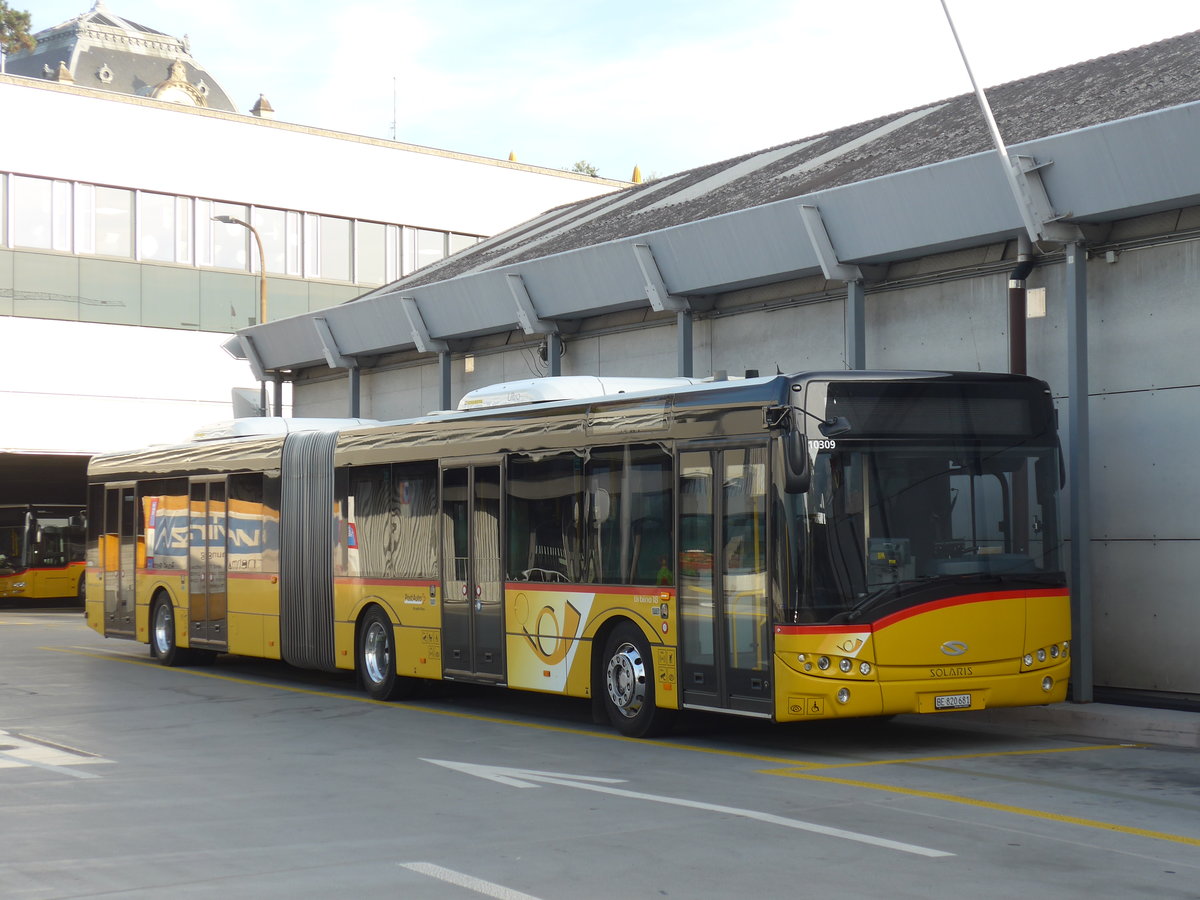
pixel 14 30
pixel 583 167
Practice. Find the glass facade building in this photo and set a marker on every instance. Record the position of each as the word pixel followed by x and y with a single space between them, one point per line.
pixel 140 257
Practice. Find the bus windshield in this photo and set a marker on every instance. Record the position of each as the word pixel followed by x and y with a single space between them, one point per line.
pixel 888 524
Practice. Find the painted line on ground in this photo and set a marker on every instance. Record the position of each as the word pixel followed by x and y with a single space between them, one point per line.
pixel 470 882
pixel 531 778
pixel 433 711
pixel 988 804
pixel 796 768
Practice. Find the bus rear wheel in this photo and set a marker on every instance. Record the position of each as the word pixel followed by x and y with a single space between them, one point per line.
pixel 628 675
pixel 377 658
pixel 162 633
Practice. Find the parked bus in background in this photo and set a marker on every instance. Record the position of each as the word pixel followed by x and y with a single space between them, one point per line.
pixel 791 548
pixel 41 552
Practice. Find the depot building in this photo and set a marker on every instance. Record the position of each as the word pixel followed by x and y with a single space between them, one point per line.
pixel 908 241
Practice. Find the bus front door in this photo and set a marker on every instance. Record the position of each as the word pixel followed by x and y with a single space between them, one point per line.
pixel 119 557
pixel 723 599
pixel 206 566
pixel 472 592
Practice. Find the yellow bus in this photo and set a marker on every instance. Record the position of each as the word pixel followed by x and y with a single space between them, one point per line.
pixel 41 552
pixel 793 548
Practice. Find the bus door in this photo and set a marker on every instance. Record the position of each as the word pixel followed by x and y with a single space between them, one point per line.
pixel 723 583
pixel 119 558
pixel 472 589
pixel 206 566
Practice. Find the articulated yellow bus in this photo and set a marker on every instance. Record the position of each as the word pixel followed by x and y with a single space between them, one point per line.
pixel 791 548
pixel 41 552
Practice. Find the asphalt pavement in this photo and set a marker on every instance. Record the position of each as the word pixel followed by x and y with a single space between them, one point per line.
pixel 1110 721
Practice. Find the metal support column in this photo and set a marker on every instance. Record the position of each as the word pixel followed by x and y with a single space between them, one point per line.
pixel 278 394
pixel 444 379
pixel 683 350
pixel 531 323
pixel 355 391
pixel 426 344
pixel 856 328
pixel 662 300
pixel 1079 476
pixel 835 270
pixel 554 354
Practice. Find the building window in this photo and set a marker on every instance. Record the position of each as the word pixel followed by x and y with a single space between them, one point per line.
pixel 41 213
pixel 45 214
pixel 392 252
pixel 294 242
pixel 370 253
pixel 230 243
pixel 164 228
pixel 462 242
pixel 113 222
pixel 271 225
pixel 335 248
pixel 431 247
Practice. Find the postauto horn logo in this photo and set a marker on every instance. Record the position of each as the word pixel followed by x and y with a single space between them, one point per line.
pixel 954 648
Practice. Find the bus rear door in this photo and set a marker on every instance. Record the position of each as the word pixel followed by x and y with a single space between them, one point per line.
pixel 119 558
pixel 206 566
pixel 472 590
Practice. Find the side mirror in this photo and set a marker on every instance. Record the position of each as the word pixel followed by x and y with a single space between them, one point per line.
pixel 796 474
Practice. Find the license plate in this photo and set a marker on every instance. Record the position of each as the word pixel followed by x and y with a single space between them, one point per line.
pixel 952 701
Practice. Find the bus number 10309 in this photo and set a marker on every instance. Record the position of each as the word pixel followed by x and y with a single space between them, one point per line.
pixel 825 444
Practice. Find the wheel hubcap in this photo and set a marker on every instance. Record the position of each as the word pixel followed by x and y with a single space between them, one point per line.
pixel 626 680
pixel 163 628
pixel 376 653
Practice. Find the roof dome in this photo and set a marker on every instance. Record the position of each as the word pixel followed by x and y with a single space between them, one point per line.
pixel 102 50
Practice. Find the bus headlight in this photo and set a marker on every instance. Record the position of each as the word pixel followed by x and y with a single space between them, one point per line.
pixel 823 663
pixel 864 668
pixel 1027 659
pixel 843 696
pixel 1041 655
pixel 1054 651
pixel 845 665
pixel 1047 683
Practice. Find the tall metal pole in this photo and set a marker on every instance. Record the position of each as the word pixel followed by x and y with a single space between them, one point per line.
pixel 264 408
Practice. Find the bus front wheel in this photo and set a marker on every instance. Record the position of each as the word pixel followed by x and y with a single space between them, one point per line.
pixel 377 658
pixel 628 675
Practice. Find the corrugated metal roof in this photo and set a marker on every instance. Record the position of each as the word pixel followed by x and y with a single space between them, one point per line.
pixel 1119 132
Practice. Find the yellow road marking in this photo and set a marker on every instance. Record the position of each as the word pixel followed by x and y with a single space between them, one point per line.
pixel 998 807
pixel 796 768
pixel 957 756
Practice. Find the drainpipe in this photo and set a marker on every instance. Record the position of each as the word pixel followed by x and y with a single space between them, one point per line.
pixel 1016 306
pixel 1019 539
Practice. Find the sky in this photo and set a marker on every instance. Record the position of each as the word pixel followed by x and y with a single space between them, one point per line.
pixel 664 85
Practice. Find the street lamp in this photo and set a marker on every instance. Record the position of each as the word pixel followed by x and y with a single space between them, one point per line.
pixel 262 287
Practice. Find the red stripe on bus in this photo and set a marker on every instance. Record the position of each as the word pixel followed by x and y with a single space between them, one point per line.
pixel 931 606
pixel 963 600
